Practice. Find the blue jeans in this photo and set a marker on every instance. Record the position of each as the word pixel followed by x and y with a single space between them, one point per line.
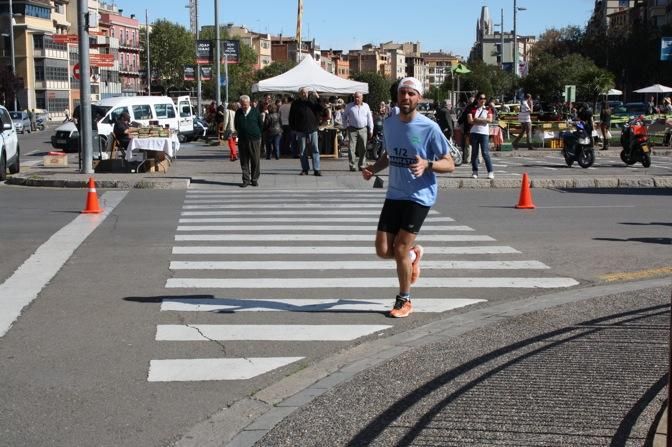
pixel 273 146
pixel 483 142
pixel 308 138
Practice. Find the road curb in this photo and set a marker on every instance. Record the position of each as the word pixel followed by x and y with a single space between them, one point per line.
pixel 269 406
pixel 82 182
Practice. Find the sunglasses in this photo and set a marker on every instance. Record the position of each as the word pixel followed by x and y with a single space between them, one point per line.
pixel 482 98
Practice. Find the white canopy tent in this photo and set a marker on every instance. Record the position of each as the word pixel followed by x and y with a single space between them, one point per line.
pixel 309 74
pixel 655 88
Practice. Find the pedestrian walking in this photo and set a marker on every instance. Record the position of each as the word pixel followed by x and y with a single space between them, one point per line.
pixel 272 133
pixel 249 127
pixel 480 118
pixel 444 118
pixel 525 118
pixel 359 123
pixel 304 119
pixel 416 151
pixel 605 124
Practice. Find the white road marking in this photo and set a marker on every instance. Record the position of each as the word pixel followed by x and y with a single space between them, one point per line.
pixel 587 206
pixel 353 265
pixel 349 283
pixel 262 202
pixel 370 228
pixel 299 219
pixel 424 305
pixel 260 212
pixel 32 276
pixel 188 370
pixel 298 206
pixel 346 192
pixel 266 332
pixel 550 169
pixel 320 237
pixel 331 250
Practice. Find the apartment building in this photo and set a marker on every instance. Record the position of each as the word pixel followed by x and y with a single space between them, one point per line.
pixel 335 62
pixel 122 38
pixel 260 43
pixel 370 59
pixel 439 67
pixel 286 49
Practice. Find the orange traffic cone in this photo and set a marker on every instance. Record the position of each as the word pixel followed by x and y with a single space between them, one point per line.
pixel 92 206
pixel 525 200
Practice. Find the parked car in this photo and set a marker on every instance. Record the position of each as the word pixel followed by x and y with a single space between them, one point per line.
pixel 21 121
pixel 66 137
pixel 9 151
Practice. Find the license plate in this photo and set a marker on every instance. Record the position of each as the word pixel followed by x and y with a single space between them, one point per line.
pixel 645 148
pixel 61 141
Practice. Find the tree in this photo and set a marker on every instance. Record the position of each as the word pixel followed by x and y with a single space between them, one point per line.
pixel 171 47
pixel 558 43
pixel 274 69
pixel 379 87
pixel 490 79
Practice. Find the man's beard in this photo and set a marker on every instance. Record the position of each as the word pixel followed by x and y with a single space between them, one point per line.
pixel 407 109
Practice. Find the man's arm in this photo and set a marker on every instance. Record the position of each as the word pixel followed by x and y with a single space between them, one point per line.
pixel 440 166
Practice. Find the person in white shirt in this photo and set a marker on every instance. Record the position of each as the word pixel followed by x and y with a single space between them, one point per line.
pixel 287 143
pixel 479 119
pixel 359 122
pixel 525 119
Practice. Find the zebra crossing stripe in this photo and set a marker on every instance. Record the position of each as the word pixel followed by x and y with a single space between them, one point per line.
pixel 304 213
pixel 420 305
pixel 297 219
pixel 370 228
pixel 347 207
pixel 266 332
pixel 191 370
pixel 322 237
pixel 352 265
pixel 349 283
pixel 332 250
pixel 345 192
pixel 261 202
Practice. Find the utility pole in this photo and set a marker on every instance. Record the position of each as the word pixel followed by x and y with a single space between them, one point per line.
pixel 515 40
pixel 218 90
pixel 85 127
pixel 501 40
pixel 11 39
pixel 149 68
pixel 199 92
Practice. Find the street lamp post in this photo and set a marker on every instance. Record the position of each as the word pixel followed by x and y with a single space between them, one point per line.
pixel 11 43
pixel 515 36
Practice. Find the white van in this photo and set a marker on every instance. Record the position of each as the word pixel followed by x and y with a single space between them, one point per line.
pixel 144 109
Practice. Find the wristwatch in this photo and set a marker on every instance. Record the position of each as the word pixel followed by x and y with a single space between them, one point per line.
pixel 430 166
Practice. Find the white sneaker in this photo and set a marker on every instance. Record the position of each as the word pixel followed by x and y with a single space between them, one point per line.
pixel 474 174
pixel 491 175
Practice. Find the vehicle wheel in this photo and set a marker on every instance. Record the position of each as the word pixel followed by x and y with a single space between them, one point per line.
pixel 3 166
pixel 569 160
pixel 586 158
pixel 181 138
pixel 16 167
pixel 626 158
pixel 646 160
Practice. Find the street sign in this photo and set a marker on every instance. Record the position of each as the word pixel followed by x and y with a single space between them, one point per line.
pixel 75 71
pixel 65 38
pixel 102 60
pixel 570 93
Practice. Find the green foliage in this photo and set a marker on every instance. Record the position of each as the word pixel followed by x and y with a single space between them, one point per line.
pixel 490 79
pixel 171 47
pixel 379 87
pixel 274 69
pixel 557 43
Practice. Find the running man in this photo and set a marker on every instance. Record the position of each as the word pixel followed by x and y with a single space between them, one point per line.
pixel 416 150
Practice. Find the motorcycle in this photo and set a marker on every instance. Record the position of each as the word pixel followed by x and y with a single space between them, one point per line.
pixel 635 143
pixel 578 146
pixel 40 123
pixel 374 147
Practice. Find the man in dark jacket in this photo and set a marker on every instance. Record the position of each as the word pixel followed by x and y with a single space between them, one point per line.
pixel 445 120
pixel 304 119
pixel 249 127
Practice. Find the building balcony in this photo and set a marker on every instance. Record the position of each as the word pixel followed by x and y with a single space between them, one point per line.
pixel 129 70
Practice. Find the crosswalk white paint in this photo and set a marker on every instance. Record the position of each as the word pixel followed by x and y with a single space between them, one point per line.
pixel 298 206
pixel 263 202
pixel 289 192
pixel 306 212
pixel 352 265
pixel 335 283
pixel 193 370
pixel 299 219
pixel 420 305
pixel 266 332
pixel 332 250
pixel 323 237
pixel 369 228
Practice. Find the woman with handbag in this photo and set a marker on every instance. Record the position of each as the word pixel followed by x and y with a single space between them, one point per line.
pixel 605 123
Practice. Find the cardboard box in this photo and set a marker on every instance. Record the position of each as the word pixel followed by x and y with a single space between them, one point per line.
pixel 56 159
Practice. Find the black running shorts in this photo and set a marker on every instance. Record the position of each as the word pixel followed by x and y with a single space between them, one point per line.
pixel 402 215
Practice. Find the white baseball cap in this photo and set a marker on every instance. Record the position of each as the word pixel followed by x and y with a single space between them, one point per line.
pixel 413 83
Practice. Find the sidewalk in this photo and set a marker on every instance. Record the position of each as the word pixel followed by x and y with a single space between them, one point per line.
pixel 582 367
pixel 209 165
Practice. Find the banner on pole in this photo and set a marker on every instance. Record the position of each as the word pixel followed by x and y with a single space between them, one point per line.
pixel 230 49
pixel 189 72
pixel 665 48
pixel 203 52
pixel 206 72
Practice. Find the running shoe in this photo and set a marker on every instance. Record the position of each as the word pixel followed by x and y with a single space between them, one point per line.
pixel 402 308
pixel 415 273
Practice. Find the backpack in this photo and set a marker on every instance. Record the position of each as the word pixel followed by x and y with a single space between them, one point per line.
pixel 463 119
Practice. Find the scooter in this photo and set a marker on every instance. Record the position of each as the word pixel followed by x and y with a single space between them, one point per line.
pixel 635 143
pixel 578 146
pixel 374 147
pixel 40 124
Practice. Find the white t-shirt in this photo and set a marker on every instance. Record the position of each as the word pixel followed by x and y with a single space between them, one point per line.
pixel 524 115
pixel 284 114
pixel 483 129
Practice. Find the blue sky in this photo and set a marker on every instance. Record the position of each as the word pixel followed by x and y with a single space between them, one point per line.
pixel 447 25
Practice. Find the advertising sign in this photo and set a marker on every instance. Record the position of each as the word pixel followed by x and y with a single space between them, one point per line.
pixel 189 72
pixel 230 48
pixel 665 48
pixel 206 72
pixel 203 52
